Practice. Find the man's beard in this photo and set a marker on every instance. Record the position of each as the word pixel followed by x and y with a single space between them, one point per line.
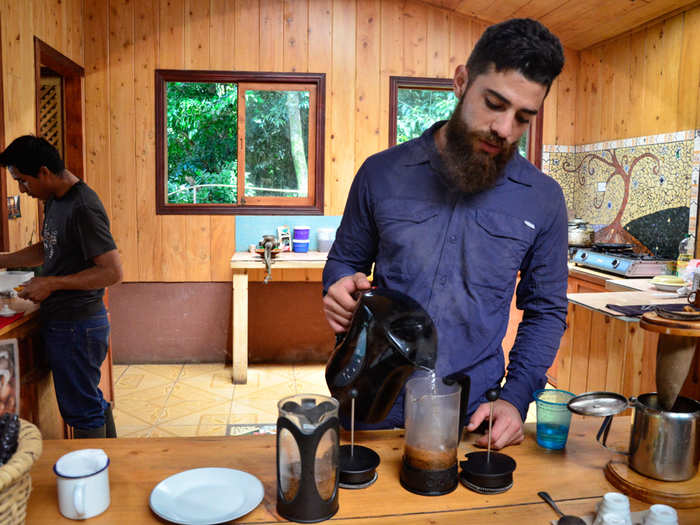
pixel 467 169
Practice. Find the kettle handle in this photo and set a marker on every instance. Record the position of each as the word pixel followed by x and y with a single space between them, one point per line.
pixel 465 382
pixel 604 431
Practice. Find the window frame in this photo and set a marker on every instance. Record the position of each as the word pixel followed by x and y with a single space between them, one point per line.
pixel 245 79
pixel 446 84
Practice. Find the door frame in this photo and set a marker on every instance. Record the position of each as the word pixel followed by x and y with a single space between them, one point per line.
pixel 4 220
pixel 72 75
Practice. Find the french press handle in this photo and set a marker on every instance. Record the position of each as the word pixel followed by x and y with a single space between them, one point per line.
pixel 465 382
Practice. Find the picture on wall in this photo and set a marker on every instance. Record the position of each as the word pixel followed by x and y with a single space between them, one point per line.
pixel 9 376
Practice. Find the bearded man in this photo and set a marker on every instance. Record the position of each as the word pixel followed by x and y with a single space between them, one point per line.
pixel 452 217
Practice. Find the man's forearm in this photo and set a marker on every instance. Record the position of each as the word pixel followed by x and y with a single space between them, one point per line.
pixel 90 279
pixel 30 256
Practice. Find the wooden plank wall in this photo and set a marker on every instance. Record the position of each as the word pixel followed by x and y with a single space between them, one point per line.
pixel 602 353
pixel 643 83
pixel 357 43
pixel 59 23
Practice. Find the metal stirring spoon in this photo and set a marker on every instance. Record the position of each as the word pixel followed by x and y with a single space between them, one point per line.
pixel 565 519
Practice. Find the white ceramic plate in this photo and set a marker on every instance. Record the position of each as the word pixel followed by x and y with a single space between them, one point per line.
pixel 667 287
pixel 206 495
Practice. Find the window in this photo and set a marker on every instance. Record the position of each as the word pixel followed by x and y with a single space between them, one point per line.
pixel 417 103
pixel 239 142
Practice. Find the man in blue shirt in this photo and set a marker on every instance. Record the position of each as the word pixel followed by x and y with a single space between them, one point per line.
pixel 452 217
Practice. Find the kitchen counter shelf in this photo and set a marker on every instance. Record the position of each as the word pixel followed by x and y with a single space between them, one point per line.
pixel 574 477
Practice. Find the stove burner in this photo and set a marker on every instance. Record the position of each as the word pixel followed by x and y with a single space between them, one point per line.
pixel 621 259
pixel 615 248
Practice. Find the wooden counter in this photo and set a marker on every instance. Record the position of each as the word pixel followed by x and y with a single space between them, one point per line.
pixel 37 395
pixel 602 349
pixel 598 301
pixel 307 267
pixel 573 477
pixel 589 275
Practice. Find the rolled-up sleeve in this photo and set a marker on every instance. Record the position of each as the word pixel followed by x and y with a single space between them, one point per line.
pixel 355 245
pixel 541 294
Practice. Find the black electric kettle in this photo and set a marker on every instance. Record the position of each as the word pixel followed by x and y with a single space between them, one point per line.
pixel 390 336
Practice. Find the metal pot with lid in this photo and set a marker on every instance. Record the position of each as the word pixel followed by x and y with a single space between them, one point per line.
pixel 664 444
pixel 579 233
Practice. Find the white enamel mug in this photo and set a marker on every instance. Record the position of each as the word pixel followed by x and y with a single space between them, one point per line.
pixel 82 477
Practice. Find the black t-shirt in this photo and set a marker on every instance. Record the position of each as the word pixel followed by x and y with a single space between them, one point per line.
pixel 76 230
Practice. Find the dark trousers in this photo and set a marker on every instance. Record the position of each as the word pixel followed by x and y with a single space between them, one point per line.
pixel 76 350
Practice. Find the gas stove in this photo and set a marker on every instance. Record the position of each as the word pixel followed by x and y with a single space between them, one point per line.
pixel 621 259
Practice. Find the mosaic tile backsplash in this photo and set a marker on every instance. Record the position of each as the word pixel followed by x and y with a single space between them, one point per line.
pixel 641 190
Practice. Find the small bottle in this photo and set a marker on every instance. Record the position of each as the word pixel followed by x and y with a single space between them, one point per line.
pixel 684 255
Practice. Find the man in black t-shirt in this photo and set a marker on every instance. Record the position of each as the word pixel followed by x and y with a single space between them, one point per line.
pixel 79 259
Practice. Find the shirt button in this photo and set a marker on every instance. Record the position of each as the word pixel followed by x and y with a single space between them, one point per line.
pixel 452 238
pixel 443 280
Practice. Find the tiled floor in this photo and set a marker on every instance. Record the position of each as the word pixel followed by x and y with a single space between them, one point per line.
pixel 201 400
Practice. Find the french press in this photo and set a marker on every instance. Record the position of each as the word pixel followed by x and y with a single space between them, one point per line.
pixel 307 458
pixel 434 416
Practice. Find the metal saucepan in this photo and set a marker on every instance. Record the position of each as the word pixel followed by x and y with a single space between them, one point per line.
pixel 664 444
pixel 579 233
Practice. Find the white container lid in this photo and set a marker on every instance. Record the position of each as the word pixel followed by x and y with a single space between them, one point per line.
pixel 302 227
pixel 300 240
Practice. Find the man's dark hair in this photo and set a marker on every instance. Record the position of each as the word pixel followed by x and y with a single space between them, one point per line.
pixel 29 153
pixel 521 44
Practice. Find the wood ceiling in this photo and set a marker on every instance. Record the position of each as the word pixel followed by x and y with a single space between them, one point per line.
pixel 578 23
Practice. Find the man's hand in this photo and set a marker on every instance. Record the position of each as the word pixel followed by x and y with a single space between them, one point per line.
pixel 507 427
pixel 341 300
pixel 38 289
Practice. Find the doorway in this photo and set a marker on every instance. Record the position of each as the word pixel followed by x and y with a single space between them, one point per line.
pixel 59 107
pixel 59 104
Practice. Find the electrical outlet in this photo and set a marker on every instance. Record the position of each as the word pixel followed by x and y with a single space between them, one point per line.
pixel 601 186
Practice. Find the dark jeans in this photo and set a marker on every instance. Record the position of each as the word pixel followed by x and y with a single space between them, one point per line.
pixel 76 350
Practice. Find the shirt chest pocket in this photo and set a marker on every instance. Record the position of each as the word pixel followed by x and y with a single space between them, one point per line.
pixel 407 233
pixel 496 247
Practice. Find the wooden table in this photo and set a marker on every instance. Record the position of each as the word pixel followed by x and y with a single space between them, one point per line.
pixel 573 477
pixel 242 264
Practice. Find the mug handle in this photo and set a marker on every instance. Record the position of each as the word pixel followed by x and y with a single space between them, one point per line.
pixel 79 498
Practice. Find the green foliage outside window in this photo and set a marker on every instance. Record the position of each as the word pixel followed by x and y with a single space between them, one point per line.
pixel 277 132
pixel 202 133
pixel 523 143
pixel 202 141
pixel 418 109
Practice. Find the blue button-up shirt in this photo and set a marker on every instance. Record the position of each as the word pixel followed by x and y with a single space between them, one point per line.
pixel 459 256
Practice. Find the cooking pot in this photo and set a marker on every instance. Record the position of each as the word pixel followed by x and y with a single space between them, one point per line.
pixel 579 233
pixel 664 444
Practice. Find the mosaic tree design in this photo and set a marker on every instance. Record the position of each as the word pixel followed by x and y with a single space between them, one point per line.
pixel 614 167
